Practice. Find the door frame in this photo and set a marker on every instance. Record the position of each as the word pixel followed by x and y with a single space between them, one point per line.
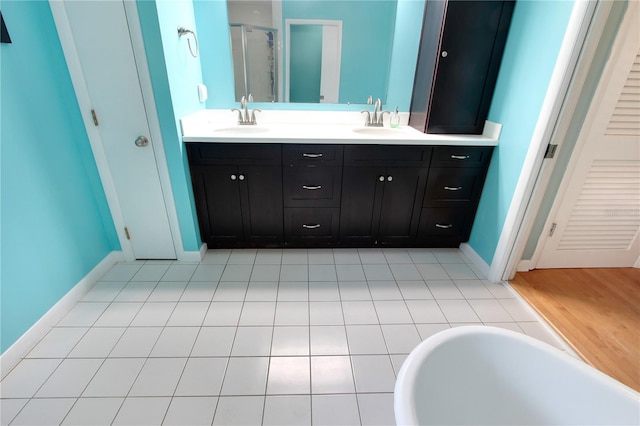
pixel 555 115
pixel 97 146
pixel 584 33
pixel 323 23
pixel 618 47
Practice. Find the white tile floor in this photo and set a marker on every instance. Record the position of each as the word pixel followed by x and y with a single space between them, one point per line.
pixel 250 337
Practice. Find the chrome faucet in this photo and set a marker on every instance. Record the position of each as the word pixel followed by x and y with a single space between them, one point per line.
pixel 246 117
pixel 376 107
pixel 375 119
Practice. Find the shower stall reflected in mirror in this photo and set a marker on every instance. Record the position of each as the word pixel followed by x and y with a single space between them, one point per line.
pixel 255 64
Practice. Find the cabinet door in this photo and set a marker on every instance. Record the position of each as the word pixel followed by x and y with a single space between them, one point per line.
pixel 224 154
pixel 308 226
pixel 401 204
pixel 473 38
pixel 218 204
pixel 444 227
pixel 312 155
pixel 461 156
pixel 387 156
pixel 451 186
pixel 261 197
pixel 360 207
pixel 312 186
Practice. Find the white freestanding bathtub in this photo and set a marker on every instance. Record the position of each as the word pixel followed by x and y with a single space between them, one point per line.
pixel 478 375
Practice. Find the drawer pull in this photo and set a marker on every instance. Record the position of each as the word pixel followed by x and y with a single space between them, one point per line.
pixel 441 226
pixel 318 155
pixel 317 225
pixel 453 188
pixel 312 188
pixel 460 157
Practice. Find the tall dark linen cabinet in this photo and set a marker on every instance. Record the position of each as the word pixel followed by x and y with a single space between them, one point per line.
pixel 459 57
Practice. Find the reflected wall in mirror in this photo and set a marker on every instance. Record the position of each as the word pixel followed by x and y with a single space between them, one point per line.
pixel 345 66
pixel 313 60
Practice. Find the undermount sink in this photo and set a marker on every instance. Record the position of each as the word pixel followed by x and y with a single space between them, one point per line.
pixel 242 130
pixel 377 131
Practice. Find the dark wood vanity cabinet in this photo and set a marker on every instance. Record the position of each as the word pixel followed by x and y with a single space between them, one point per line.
pixel 455 182
pixel 460 53
pixel 238 193
pixel 336 195
pixel 382 191
pixel 312 186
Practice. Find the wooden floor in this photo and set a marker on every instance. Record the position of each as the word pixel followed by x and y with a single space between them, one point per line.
pixel 597 311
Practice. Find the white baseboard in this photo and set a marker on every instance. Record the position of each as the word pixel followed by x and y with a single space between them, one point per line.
pixel 475 258
pixel 194 256
pixel 10 358
pixel 524 265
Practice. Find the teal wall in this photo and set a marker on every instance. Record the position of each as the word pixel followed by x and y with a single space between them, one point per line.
pixel 367 39
pixel 174 76
pixel 306 63
pixel 535 36
pixel 215 53
pixel 404 55
pixel 217 68
pixel 55 222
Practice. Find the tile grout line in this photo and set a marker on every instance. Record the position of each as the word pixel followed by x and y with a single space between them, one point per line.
pixel 353 372
pixel 235 334
pixel 266 382
pixel 309 334
pixel 33 396
pixel 144 303
pixel 184 367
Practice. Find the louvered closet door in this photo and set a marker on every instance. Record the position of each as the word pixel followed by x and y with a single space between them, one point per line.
pixel 597 216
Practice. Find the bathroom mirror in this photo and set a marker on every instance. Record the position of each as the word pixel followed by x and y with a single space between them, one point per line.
pixel 311 51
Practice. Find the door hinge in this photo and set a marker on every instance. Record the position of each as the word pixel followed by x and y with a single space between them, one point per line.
pixel 126 232
pixel 551 151
pixel 94 116
pixel 553 229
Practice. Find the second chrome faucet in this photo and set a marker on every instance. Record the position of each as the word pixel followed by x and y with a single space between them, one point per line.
pixel 246 117
pixel 375 119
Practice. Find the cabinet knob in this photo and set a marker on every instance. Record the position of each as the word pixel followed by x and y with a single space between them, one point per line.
pixel 444 54
pixel 381 178
pixel 317 225
pixel 233 177
pixel 389 179
pixel 442 226
pixel 241 177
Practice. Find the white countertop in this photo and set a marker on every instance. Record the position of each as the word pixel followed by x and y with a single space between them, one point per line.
pixel 327 127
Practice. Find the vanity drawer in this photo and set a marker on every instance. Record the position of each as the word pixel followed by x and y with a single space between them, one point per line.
pixel 385 155
pixel 235 153
pixel 453 185
pixel 327 155
pixel 311 225
pixel 444 226
pixel 461 156
pixel 312 186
